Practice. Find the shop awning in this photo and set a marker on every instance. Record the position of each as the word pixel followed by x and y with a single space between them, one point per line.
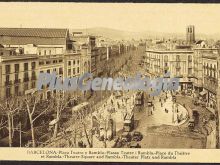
pixel 203 93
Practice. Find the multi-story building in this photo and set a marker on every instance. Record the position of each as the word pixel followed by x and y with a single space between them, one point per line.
pixel 178 62
pixel 52 50
pixel 85 44
pixel 18 73
pixel 206 77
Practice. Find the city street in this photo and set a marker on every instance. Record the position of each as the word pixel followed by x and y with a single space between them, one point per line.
pixel 159 116
pixel 160 131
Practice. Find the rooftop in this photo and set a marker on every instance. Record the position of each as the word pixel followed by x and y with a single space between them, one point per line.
pixel 18 57
pixel 33 32
pixel 169 51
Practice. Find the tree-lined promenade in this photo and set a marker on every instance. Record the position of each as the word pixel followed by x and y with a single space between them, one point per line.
pixel 31 120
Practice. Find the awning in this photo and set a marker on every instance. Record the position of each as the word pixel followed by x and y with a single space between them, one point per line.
pixel 203 93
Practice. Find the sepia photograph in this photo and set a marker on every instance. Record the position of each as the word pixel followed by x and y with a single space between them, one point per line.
pixel 109 75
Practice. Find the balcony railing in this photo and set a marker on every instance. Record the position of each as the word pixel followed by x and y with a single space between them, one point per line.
pixel 33 78
pixel 8 83
pixel 26 79
pixel 17 81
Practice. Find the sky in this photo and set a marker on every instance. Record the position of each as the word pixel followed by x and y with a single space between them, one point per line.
pixel 171 18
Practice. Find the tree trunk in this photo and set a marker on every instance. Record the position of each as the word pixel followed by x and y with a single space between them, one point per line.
pixel 75 137
pixel 9 131
pixel 56 125
pixel 55 130
pixel 87 137
pixel 32 134
pixel 12 126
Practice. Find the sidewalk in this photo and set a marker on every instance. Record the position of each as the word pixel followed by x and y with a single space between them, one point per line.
pixel 159 116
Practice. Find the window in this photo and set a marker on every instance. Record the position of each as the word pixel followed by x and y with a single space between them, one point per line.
pixel 48 70
pixel 33 84
pixel 16 78
pixel 47 62
pixel 8 92
pixel 26 86
pixel 33 75
pixel 39 52
pixel 7 69
pixel 78 70
pixel 45 52
pixel 41 63
pixel 74 62
pixel 74 71
pixel 26 77
pixel 16 68
pixel 69 63
pixel 60 60
pixel 33 65
pixel 69 72
pixel 25 66
pixel 7 78
pixel 78 62
pixel 189 58
pixel 60 70
pixel 49 52
pixel 2 53
pixel 16 90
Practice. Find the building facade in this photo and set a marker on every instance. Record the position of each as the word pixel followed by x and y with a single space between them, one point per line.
pixel 18 73
pixel 35 51
pixel 179 63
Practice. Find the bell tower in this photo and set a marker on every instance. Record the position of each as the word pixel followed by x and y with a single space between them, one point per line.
pixel 190 34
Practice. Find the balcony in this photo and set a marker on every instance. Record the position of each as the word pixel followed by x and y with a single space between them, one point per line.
pixel 16 81
pixel 26 79
pixel 7 83
pixel 33 78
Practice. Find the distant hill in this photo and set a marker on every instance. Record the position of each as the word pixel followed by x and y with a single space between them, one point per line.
pixel 127 35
